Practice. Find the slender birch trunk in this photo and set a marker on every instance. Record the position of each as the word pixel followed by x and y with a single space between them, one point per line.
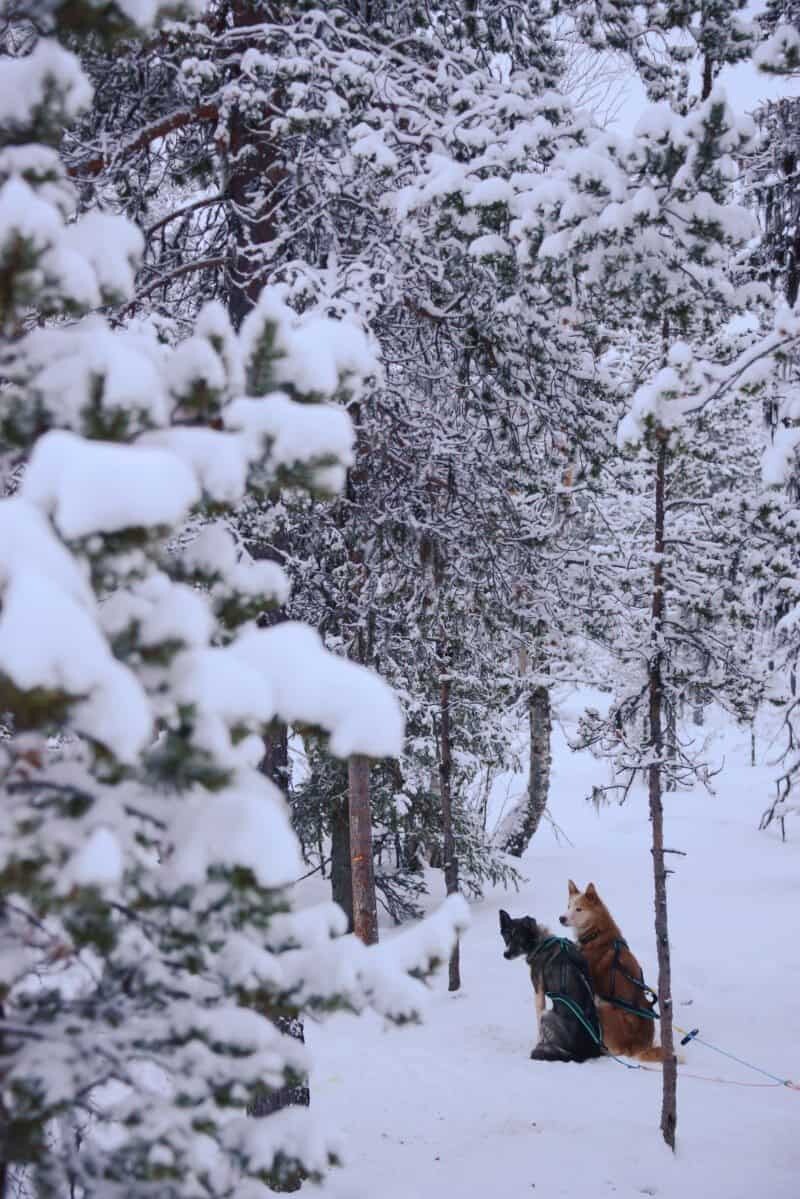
pixel 530 817
pixel 669 1113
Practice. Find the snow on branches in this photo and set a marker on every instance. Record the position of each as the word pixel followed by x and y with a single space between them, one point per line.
pixel 148 945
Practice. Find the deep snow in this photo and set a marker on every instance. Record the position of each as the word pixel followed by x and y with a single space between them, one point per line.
pixel 456 1108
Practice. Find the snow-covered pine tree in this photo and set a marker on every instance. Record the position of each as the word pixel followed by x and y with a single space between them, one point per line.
pixel 773 192
pixel 148 940
pixel 645 231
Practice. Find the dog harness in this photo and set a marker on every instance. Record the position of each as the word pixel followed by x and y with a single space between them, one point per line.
pixel 572 959
pixel 650 997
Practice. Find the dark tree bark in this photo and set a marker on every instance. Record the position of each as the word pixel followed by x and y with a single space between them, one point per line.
pixel 275 763
pixel 269 1102
pixel 529 818
pixel 669 1113
pixel 254 175
pixel 449 847
pixel 341 873
pixel 296 1096
pixel 365 907
pixel 253 171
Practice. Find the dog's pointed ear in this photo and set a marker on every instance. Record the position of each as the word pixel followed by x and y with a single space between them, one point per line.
pixel 505 920
pixel 573 890
pixel 590 892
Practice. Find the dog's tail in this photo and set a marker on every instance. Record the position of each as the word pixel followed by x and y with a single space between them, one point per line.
pixel 656 1054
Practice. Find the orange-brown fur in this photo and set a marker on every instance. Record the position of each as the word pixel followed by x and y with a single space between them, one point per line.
pixel 623 1032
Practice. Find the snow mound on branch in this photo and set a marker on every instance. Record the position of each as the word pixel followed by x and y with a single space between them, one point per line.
pixel 213 324
pixel 489 244
pixel 100 487
pixel 226 692
pixel 25 215
pixel 194 360
pixel 392 989
pixel 246 825
pixel 323 353
pixel 212 552
pixel 379 976
pixel 311 353
pixel 265 579
pixel 99 863
pixel 68 365
pixel 297 434
pixel 218 460
pixel 779 53
pixel 112 245
pixel 292 1134
pixel 163 611
pixel 50 641
pixel 27 541
pixel 91 259
pixel 314 687
pixel 48 76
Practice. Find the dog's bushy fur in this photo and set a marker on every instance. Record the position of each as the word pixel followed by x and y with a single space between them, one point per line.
pixel 612 968
pixel 558 969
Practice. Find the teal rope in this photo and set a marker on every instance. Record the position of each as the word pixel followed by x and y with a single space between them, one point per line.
pixel 564 943
pixel 629 1007
pixel 785 1082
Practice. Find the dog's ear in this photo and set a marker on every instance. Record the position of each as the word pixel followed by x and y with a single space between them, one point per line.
pixel 505 921
pixel 590 892
pixel 573 890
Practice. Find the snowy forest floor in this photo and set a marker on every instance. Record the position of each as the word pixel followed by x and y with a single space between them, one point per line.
pixel 456 1108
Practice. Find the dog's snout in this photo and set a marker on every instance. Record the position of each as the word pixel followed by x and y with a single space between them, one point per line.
pixel 562 920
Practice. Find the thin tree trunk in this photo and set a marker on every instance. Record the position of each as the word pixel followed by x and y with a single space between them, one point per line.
pixel 341 872
pixel 4 1151
pixel 365 907
pixel 449 847
pixel 669 1114
pixel 541 725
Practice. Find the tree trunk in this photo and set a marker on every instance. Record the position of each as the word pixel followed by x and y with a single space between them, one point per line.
pixel 253 172
pixel 254 175
pixel 269 1102
pixel 529 818
pixel 449 846
pixel 365 907
pixel 669 1114
pixel 275 763
pixel 341 873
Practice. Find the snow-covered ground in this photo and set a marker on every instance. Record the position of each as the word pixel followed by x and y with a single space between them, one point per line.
pixel 456 1108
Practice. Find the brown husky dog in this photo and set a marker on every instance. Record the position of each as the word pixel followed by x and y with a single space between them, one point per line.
pixel 616 976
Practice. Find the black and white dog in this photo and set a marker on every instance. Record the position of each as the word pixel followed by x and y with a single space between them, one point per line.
pixel 558 970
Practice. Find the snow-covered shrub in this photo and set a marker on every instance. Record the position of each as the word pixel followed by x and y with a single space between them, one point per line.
pixel 148 940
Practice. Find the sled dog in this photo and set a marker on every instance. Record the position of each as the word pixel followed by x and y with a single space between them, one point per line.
pixel 616 977
pixel 558 970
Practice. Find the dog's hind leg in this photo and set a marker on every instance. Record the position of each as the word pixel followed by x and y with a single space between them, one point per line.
pixel 554 1040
